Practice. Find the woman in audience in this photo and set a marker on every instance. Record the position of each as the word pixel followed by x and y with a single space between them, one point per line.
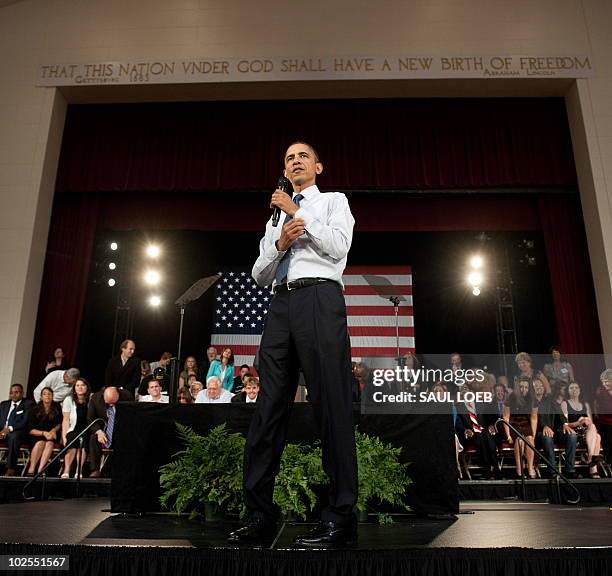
pixel 603 412
pixel 183 396
pixel 58 362
pixel 579 417
pixel 44 423
pixel 558 370
pixel 526 370
pixel 195 388
pixel 74 408
pixel 190 367
pixel 223 368
pixel 521 411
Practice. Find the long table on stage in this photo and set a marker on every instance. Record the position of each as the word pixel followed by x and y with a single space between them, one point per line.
pixel 145 437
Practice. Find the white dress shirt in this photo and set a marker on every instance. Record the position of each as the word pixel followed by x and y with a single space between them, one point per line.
pixel 148 398
pixel 223 398
pixel 14 406
pixel 320 252
pixel 55 381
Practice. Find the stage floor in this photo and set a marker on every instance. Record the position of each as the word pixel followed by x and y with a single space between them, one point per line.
pixel 87 522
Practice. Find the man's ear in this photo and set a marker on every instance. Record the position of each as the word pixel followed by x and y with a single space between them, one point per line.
pixel 318 167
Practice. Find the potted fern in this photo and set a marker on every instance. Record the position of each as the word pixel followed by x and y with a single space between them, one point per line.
pixel 300 471
pixel 207 473
pixel 382 477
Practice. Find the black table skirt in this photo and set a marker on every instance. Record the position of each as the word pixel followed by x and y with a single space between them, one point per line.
pixel 145 438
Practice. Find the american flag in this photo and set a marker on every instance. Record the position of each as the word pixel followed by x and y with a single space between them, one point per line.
pixel 241 307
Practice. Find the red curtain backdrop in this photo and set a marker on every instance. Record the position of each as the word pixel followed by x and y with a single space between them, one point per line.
pixel 171 166
pixel 372 144
pixel 64 285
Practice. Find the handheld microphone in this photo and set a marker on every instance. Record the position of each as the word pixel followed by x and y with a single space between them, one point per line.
pixel 285 185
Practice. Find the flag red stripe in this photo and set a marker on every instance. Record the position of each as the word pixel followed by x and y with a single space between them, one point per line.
pixel 380 331
pixel 378 310
pixel 363 290
pixel 387 352
pixel 380 270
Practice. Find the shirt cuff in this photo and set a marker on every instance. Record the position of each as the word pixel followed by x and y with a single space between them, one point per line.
pixel 272 253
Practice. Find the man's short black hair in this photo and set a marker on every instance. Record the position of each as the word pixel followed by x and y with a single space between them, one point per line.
pixel 18 386
pixel 312 149
pixel 244 366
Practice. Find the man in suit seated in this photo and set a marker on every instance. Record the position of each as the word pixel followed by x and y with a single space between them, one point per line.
pixel 102 405
pixel 214 393
pixel 14 422
pixel 250 391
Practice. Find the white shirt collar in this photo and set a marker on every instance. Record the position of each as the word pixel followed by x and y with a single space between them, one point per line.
pixel 308 192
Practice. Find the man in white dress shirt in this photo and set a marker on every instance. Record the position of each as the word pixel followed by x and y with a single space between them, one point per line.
pixel 214 393
pixel 154 393
pixel 303 259
pixel 60 381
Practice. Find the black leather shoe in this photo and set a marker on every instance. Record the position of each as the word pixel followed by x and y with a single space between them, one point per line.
pixel 254 532
pixel 329 534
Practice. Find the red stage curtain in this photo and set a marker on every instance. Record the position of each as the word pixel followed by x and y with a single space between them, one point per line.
pixel 64 286
pixel 570 274
pixel 384 144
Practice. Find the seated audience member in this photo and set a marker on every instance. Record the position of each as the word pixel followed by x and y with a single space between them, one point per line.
pixel 160 376
pixel 124 370
pixel 211 354
pixel 522 412
pixel 190 367
pixel 102 405
pixel 195 388
pixel 14 421
pixel 183 396
pixel 60 382
pixel 74 422
pixel 474 426
pixel 580 419
pixel 224 369
pixel 250 392
pixel 455 361
pixel 58 362
pixel 163 362
pixel 499 399
pixel 44 424
pixel 553 427
pixel 603 413
pixel 558 370
pixel 154 393
pixel 214 393
pixel 239 380
pixel 526 370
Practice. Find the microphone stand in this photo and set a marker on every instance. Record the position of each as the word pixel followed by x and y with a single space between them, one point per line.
pixel 545 460
pixel 401 361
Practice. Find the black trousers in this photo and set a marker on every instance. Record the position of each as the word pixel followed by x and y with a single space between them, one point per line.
pixel 13 441
pixel 304 328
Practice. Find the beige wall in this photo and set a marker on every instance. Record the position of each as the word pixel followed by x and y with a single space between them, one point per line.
pixel 33 32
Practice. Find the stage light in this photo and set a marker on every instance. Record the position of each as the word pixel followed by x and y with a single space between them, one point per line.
pixel 155 301
pixel 152 277
pixel 476 291
pixel 114 246
pixel 112 265
pixel 153 251
pixel 474 278
pixel 476 261
pixel 111 282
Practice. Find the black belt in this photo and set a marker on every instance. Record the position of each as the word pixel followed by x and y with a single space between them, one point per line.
pixel 299 283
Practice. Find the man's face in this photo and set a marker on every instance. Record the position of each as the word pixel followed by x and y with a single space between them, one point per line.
pixel 211 353
pixel 164 362
pixel 538 388
pixel 251 391
pixel 213 390
pixel 455 361
pixel 607 384
pixel 154 389
pixel 500 393
pixel 129 349
pixel 16 394
pixel 195 388
pixel 301 166
pixel 69 380
pixel 243 371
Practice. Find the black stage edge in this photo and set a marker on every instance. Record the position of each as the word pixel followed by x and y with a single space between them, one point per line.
pixel 145 438
pixel 512 539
